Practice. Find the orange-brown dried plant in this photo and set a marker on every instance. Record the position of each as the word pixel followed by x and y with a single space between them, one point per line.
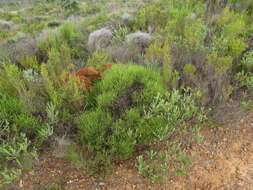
pixel 88 74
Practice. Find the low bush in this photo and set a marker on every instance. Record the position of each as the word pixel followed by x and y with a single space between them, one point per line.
pixel 34 26
pixel 131 107
pixel 246 62
pixel 25 89
pixel 245 80
pixel 154 164
pixel 244 76
pixel 68 34
pixel 20 134
pixel 13 113
pixel 99 21
pixel 36 83
pixel 198 46
pixel 69 4
pixel 120 96
pixel 98 59
pixel 5 35
pixel 62 87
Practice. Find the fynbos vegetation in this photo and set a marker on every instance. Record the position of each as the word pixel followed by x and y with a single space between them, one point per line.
pixel 114 82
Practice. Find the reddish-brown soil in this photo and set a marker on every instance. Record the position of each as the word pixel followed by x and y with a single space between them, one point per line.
pixel 223 161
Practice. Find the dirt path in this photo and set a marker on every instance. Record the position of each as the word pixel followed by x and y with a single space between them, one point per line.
pixel 224 161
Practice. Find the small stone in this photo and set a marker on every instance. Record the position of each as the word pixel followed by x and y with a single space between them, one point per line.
pixel 21 183
pixel 126 16
pixel 101 183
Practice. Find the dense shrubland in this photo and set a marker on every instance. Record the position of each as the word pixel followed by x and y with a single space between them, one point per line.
pixel 135 80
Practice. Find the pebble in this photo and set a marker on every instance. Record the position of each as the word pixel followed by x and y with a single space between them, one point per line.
pixel 21 183
pixel 101 183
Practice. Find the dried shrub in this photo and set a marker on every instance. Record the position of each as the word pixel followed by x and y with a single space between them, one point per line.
pixel 89 73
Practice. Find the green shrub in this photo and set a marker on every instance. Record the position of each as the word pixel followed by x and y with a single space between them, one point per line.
pixel 5 35
pixel 158 55
pixel 61 86
pixel 147 16
pixel 17 19
pixel 40 9
pixel 247 62
pixel 30 62
pixel 25 85
pixel 10 107
pixel 98 59
pixel 154 164
pixel 172 110
pixel 11 79
pixel 245 79
pixel 67 34
pixel 122 76
pixel 8 15
pixel 89 8
pixel 188 68
pixel 37 84
pixel 160 13
pixel 13 112
pixel 119 34
pixel 18 136
pixel 209 43
pixel 128 111
pixel 121 94
pixel 69 4
pixel 34 25
pixel 96 22
pixel 50 42
pixel 7 176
